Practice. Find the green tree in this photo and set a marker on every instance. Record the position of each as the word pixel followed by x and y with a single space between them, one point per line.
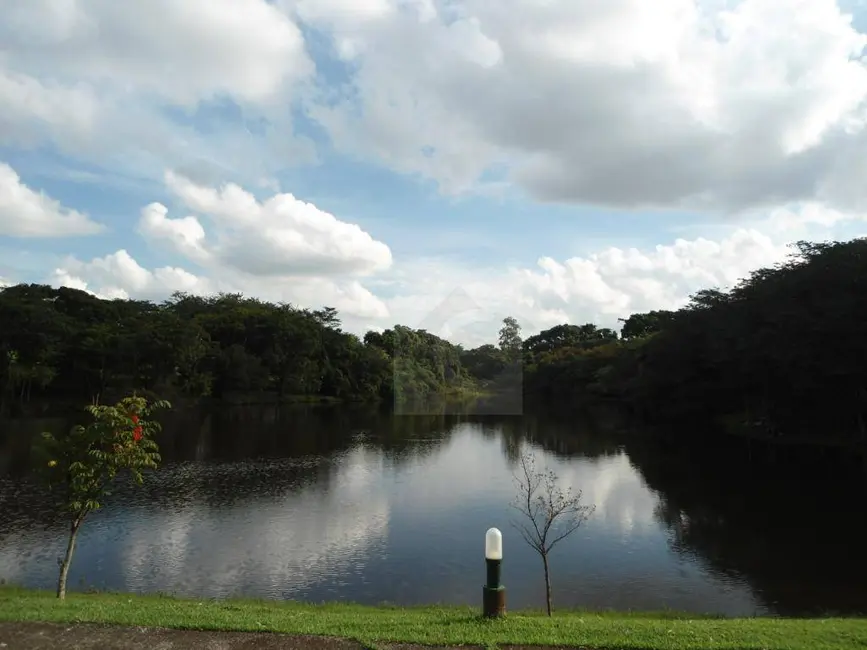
pixel 484 362
pixel 82 464
pixel 640 325
pixel 64 344
pixel 563 336
pixel 510 339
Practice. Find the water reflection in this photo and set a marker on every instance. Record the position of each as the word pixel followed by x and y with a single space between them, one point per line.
pixel 792 530
pixel 273 541
pixel 357 504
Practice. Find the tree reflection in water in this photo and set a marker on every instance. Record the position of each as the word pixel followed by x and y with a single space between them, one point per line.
pixel 796 530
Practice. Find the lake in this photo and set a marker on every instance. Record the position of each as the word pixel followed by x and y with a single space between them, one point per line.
pixel 358 504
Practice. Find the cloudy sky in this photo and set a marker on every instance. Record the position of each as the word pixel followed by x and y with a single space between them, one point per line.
pixel 427 162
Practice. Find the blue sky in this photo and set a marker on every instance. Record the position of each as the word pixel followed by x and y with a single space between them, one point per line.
pixel 577 161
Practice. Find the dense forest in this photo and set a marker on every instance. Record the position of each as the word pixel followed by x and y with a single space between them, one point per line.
pixel 780 356
pixel 65 344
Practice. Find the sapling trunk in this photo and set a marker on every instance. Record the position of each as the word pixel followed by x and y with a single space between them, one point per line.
pixel 67 560
pixel 547 582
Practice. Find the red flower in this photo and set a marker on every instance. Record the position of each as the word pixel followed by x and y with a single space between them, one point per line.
pixel 134 419
pixel 136 434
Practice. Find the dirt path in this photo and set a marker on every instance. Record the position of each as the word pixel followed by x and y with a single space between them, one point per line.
pixel 52 636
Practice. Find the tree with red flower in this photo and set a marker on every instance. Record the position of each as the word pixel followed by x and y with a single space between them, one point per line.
pixel 83 463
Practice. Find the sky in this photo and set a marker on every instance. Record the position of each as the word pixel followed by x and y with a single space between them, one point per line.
pixel 434 163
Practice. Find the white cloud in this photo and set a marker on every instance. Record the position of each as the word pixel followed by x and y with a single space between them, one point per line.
pixel 811 218
pixel 185 53
pixel 616 282
pixel 620 102
pixel 120 85
pixel 26 213
pixel 280 236
pixel 281 249
pixel 118 275
pixel 679 102
pixel 185 234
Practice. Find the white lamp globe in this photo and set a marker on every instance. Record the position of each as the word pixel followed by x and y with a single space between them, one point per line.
pixel 493 544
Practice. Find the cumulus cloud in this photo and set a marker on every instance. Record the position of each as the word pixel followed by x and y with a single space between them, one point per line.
pixel 280 249
pixel 243 48
pixel 619 281
pixel 120 85
pixel 27 213
pixel 280 236
pixel 622 102
pixel 118 275
pixel 676 103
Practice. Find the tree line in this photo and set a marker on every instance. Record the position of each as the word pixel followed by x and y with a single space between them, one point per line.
pixel 66 344
pixel 780 356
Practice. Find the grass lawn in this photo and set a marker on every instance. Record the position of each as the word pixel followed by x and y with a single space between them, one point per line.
pixel 439 625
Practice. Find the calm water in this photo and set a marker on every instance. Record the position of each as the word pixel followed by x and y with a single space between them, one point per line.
pixel 354 504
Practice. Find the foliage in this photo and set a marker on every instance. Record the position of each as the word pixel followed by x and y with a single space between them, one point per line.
pixel 83 463
pixel 568 336
pixel 549 513
pixel 778 357
pixel 65 344
pixel 424 364
pixel 641 325
pixel 485 362
pixel 510 339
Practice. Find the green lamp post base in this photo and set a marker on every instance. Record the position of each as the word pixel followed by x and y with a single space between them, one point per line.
pixel 493 601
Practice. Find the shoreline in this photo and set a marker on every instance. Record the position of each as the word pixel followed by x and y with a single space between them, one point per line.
pixel 428 625
pixel 69 407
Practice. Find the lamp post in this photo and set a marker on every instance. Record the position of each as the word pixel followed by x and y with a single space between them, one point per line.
pixel 493 593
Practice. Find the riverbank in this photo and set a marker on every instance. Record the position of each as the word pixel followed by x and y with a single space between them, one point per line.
pixel 450 396
pixel 433 625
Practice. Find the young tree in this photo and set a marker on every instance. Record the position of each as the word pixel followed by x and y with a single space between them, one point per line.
pixel 551 514
pixel 510 339
pixel 84 463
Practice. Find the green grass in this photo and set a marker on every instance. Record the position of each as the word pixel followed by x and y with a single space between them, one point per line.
pixel 439 625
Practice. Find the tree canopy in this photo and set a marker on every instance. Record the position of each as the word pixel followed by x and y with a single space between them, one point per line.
pixel 779 356
pixel 65 343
